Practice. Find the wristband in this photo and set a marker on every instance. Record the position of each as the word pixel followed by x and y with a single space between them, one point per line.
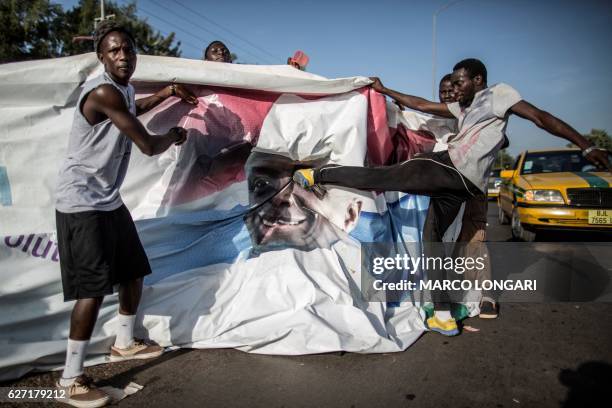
pixel 588 150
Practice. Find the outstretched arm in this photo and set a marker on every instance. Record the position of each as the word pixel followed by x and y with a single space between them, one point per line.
pixel 557 127
pixel 106 102
pixel 412 102
pixel 144 105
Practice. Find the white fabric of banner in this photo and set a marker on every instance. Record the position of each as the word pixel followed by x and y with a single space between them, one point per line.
pixel 208 289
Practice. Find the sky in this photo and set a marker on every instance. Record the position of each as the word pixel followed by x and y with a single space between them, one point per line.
pixel 557 54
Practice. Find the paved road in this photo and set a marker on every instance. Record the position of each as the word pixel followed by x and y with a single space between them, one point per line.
pixel 534 355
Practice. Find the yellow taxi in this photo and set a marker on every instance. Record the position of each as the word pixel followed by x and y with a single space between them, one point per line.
pixel 493 184
pixel 554 189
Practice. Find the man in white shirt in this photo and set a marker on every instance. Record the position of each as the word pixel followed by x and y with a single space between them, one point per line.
pixel 473 223
pixel 454 176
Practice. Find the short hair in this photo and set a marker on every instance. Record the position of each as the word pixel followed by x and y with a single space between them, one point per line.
pixel 106 27
pixel 446 78
pixel 210 45
pixel 474 67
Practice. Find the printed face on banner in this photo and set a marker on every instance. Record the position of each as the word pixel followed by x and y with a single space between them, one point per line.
pixel 236 166
pixel 285 215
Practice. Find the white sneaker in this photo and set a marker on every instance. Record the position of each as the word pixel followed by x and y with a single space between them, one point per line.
pixel 82 393
pixel 140 350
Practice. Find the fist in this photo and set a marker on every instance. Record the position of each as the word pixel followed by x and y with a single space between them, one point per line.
pixel 179 135
pixel 599 157
pixel 185 94
pixel 377 84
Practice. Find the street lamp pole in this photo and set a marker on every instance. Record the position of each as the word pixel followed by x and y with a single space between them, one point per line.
pixel 103 15
pixel 97 20
pixel 433 47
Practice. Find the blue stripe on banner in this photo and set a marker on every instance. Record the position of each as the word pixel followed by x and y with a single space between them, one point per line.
pixel 402 221
pixel 5 188
pixel 181 242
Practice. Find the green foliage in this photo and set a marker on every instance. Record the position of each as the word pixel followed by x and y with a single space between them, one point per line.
pixel 80 22
pixel 29 29
pixel 599 138
pixel 33 29
pixel 148 40
pixel 503 160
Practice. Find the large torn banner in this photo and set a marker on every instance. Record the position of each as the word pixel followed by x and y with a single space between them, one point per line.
pixel 241 258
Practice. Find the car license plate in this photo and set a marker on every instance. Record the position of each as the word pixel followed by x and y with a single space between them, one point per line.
pixel 600 217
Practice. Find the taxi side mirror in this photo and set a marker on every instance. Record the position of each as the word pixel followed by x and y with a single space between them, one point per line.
pixel 506 174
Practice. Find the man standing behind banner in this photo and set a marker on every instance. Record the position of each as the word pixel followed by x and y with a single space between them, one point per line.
pixel 216 51
pixel 98 243
pixel 454 176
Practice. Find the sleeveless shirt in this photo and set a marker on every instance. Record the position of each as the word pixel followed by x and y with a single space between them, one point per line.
pixel 97 158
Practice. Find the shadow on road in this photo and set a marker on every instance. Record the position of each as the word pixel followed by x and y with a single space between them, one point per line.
pixel 123 378
pixel 573 236
pixel 588 384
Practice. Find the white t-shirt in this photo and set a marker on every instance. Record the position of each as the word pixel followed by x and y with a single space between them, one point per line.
pixel 482 126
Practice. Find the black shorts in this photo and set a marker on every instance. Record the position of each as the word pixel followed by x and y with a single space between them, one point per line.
pixel 98 249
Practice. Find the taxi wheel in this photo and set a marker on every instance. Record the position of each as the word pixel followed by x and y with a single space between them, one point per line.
pixel 518 232
pixel 502 218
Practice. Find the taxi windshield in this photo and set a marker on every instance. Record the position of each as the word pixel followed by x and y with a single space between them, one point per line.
pixel 555 162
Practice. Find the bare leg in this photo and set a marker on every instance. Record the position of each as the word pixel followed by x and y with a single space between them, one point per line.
pixel 83 318
pixel 129 296
pixel 126 347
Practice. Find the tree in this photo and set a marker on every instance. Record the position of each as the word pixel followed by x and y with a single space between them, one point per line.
pixel 37 29
pixel 29 29
pixel 80 22
pixel 503 160
pixel 148 41
pixel 599 138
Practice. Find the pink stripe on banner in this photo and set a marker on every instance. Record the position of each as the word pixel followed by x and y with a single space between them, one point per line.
pixel 407 143
pixel 222 129
pixel 380 146
pixel 388 145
